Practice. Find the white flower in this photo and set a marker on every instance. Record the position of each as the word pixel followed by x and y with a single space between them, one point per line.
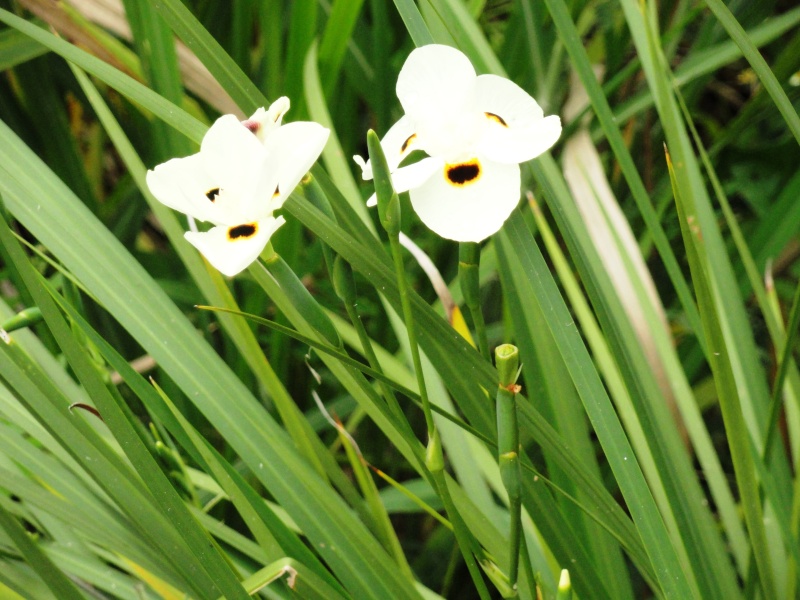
pixel 476 129
pixel 242 174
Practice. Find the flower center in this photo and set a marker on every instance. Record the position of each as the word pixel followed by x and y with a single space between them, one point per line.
pixel 242 232
pixel 463 174
pixel 212 194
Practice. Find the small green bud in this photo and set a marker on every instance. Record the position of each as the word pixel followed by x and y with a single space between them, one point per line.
pixel 434 457
pixel 343 281
pixel 388 202
pixel 391 216
pixel 167 456
pixel 564 586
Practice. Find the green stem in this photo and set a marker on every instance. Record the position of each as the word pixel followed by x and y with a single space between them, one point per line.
pixel 389 215
pixel 507 361
pixel 408 317
pixel 469 256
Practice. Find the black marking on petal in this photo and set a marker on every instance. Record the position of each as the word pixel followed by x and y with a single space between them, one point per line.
pixel 496 118
pixel 407 143
pixel 212 194
pixel 277 191
pixel 463 174
pixel 242 232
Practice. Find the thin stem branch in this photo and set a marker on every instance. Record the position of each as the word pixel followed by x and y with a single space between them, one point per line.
pixel 408 317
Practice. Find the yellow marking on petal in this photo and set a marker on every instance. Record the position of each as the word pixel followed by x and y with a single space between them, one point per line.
pixel 463 174
pixel 242 232
pixel 496 119
pixel 277 192
pixel 407 143
pixel 213 193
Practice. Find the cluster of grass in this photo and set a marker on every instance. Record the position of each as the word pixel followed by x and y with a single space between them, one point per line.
pixel 152 449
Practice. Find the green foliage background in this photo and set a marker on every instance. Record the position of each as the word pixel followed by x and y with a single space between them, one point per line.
pixel 653 296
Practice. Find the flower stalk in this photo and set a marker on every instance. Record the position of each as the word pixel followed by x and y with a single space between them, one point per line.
pixel 469 256
pixel 389 214
pixel 507 362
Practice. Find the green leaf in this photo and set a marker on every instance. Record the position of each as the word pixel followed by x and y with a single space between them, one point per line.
pixel 126 85
pixel 738 438
pixel 254 510
pixel 753 56
pixel 229 75
pixel 342 540
pixel 651 528
pixel 17 48
pixel 219 577
pixel 335 38
pixel 414 22
pixel 59 584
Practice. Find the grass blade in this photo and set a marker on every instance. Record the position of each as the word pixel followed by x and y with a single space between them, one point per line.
pixel 753 56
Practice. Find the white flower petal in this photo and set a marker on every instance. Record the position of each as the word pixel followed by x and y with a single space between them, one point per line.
pixel 435 80
pixel 436 87
pixel 235 159
pixel 232 153
pixel 411 176
pixel 364 165
pixel 468 202
pixel 503 97
pixel 521 143
pixel 516 129
pixel 231 249
pixel 400 141
pixel 219 182
pixel 414 175
pixel 182 184
pixel 292 150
